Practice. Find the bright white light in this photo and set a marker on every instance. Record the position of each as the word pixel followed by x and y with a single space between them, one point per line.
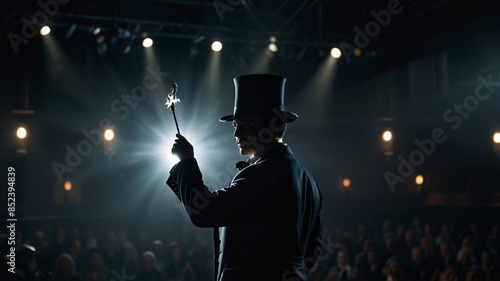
pixel 216 46
pixel 496 137
pixel 167 158
pixel 387 136
pixel 45 30
pixel 67 185
pixel 147 42
pixel 21 132
pixel 109 135
pixel 419 180
pixel 272 47
pixel 336 53
pixel 97 30
pixel 346 182
pixel 173 158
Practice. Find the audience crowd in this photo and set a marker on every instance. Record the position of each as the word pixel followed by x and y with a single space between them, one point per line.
pixel 415 251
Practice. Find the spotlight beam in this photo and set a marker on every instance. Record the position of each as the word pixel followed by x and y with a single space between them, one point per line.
pixel 317 92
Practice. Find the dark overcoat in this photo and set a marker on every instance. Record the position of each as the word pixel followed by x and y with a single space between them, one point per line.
pixel 266 223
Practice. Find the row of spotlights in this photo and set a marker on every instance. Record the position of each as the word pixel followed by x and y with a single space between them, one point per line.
pixel 21 133
pixel 109 135
pixel 216 45
pixel 387 136
pixel 147 42
pixel 419 180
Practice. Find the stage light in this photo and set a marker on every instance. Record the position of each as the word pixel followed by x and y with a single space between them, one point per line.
pixel 109 144
pixel 216 46
pixel 97 30
pixel 67 185
pixel 21 132
pixel 419 180
pixel 387 136
pixel 100 39
pixel 109 135
pixel 386 143
pixel 496 137
pixel 346 182
pixel 272 39
pixel 147 42
pixel 336 53
pixel 272 47
pixel 357 52
pixel 45 30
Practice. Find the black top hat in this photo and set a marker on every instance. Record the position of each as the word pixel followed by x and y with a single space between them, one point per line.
pixel 259 94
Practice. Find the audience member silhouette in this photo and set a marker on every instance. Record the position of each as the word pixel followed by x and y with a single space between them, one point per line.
pixel 149 270
pixel 65 269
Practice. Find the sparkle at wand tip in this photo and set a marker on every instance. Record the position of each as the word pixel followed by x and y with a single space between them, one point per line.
pixel 172 98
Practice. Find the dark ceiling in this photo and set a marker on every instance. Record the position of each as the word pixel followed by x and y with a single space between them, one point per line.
pixel 313 24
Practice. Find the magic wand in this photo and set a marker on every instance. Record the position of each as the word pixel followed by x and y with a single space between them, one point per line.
pixel 172 99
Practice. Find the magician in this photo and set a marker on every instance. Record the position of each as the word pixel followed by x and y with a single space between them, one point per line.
pixel 267 223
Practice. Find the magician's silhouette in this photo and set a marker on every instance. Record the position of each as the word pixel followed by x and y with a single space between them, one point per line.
pixel 267 222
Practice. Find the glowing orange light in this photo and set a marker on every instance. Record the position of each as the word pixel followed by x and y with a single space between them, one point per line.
pixel 419 180
pixel 67 185
pixel 346 182
pixel 496 138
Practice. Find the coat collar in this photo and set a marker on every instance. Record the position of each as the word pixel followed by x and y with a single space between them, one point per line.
pixel 272 151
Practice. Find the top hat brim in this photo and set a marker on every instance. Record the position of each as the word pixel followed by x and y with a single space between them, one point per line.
pixel 286 116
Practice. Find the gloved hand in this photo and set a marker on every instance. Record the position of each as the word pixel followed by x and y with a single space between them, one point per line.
pixel 182 148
